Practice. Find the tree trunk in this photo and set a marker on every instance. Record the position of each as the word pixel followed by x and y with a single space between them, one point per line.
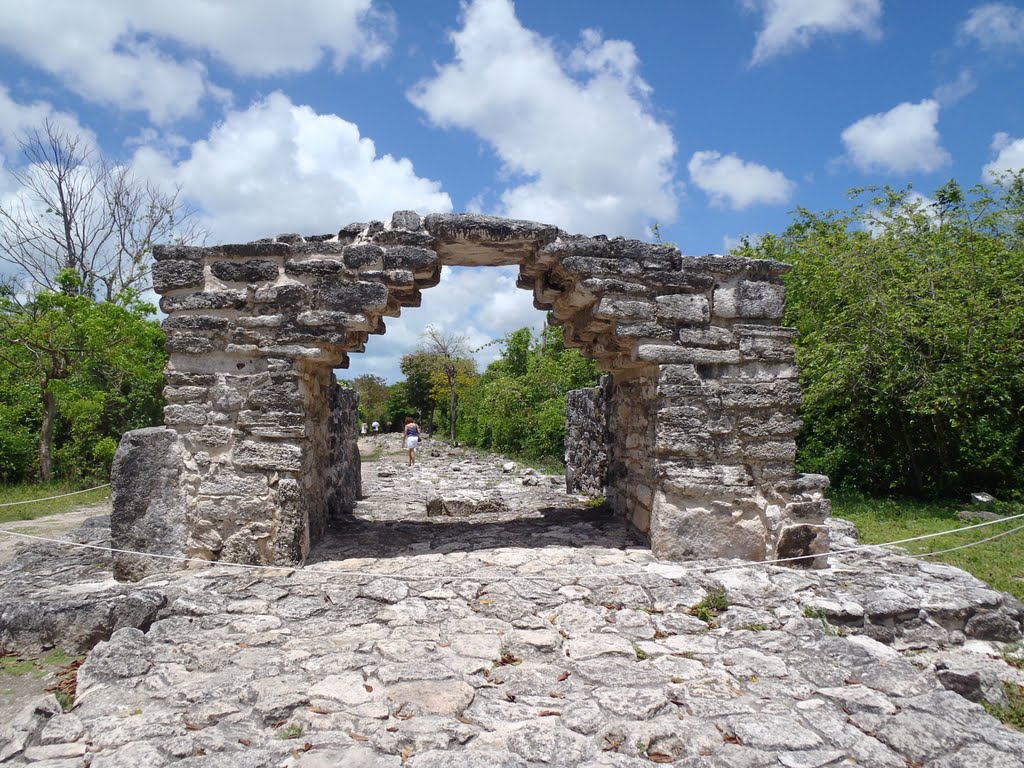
pixel 46 434
pixel 451 409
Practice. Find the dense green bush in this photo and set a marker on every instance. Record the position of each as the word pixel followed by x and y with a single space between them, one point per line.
pixel 911 348
pixel 518 404
pixel 100 366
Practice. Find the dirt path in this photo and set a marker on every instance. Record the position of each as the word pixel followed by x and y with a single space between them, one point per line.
pixel 53 526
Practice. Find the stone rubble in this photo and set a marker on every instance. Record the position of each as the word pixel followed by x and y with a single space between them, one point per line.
pixel 539 634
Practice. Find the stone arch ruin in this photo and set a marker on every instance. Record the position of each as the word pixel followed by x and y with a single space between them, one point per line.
pixel 695 423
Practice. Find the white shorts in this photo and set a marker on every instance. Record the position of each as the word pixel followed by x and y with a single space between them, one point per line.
pixel 411 443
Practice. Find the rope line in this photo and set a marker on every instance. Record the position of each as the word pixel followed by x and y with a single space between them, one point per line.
pixel 472 575
pixel 51 498
pixel 971 543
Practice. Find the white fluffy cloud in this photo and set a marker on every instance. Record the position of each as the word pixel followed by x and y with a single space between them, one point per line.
pixel 17 119
pixel 728 180
pixel 145 55
pixel 482 303
pixel 995 25
pixel 579 128
pixel 791 24
pixel 1009 156
pixel 281 167
pixel 904 139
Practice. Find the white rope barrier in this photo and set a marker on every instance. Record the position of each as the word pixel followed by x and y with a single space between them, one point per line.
pixel 51 498
pixel 474 575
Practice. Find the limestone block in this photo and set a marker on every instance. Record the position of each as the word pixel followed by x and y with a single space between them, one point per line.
pixel 283 296
pixel 186 414
pixel 364 255
pixel 624 308
pixel 210 436
pixel 602 286
pixel 585 265
pixel 683 279
pixel 780 424
pixel 186 394
pixel 406 220
pixel 465 502
pixel 801 541
pixel 670 353
pixel 284 457
pixel 418 260
pixel 210 323
pixel 229 483
pixel 644 331
pixel 351 297
pixel 711 336
pixel 274 397
pixel 230 299
pixel 171 275
pixel 256 250
pixel 750 299
pixel 681 531
pixel 251 271
pixel 690 474
pixel 148 498
pixel 317 267
pixel 690 308
pixel 177 342
pixel 182 252
pixel 809 511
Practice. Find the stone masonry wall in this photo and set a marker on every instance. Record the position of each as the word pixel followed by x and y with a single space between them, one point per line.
pixel 704 394
pixel 586 439
pixel 632 476
pixel 345 482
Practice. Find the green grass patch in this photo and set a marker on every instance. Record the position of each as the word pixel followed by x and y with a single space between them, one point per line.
pixel 1012 714
pixel 28 492
pixel 881 520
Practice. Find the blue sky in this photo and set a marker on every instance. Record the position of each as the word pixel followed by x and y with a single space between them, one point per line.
pixel 714 120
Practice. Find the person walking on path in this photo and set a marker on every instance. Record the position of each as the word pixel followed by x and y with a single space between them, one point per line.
pixel 411 437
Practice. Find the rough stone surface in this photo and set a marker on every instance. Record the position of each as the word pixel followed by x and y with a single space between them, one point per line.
pixel 146 481
pixel 586 439
pixel 692 440
pixel 543 634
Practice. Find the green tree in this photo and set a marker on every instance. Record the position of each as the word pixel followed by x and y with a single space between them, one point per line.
pixel 518 404
pixel 373 396
pixel 96 367
pixel 911 320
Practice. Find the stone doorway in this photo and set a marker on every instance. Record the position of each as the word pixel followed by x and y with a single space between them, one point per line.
pixel 699 412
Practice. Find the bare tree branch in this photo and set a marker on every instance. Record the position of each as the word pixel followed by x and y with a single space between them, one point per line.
pixel 76 211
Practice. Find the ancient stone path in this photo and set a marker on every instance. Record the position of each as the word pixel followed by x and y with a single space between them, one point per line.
pixel 544 634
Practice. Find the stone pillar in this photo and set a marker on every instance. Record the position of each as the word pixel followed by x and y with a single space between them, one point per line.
pixel 586 439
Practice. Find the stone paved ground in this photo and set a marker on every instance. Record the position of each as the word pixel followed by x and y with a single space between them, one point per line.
pixel 541 634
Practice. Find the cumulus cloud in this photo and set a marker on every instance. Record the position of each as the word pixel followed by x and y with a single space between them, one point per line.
pixel 18 119
pixel 281 167
pixel 1009 156
pixel 578 128
pixel 953 91
pixel 146 56
pixel 904 139
pixel 793 24
pixel 728 180
pixel 994 26
pixel 482 303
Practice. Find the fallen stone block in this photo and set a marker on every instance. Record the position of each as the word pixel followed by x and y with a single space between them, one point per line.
pixel 465 503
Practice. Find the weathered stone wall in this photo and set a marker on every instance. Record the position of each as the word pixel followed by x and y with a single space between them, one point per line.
pixel 632 475
pixel 149 498
pixel 704 392
pixel 586 439
pixel 344 482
